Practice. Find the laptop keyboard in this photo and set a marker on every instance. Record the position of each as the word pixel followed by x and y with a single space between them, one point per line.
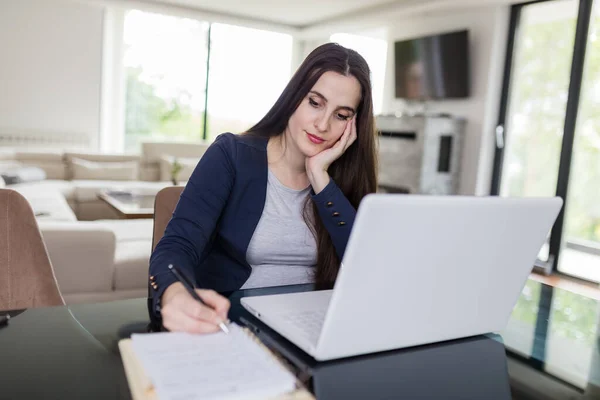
pixel 309 323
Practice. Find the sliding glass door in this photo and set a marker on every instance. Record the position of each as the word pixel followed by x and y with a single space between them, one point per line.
pixel 531 134
pixel 580 251
pixel 542 147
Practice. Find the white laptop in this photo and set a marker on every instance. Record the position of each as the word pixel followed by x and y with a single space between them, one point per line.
pixel 417 270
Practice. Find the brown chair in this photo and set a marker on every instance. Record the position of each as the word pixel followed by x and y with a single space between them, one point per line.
pixel 26 276
pixel 164 205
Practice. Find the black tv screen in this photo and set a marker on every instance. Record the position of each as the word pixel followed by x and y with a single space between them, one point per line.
pixel 433 67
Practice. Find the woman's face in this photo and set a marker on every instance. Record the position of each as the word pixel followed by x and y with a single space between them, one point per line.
pixel 320 119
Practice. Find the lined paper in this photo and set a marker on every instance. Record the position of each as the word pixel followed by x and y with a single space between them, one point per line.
pixel 215 366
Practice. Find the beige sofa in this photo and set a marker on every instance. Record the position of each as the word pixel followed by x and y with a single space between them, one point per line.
pixel 96 256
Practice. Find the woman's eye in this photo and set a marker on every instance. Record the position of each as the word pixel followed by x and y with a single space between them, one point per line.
pixel 343 117
pixel 312 102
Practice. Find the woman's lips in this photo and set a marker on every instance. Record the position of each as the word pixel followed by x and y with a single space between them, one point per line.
pixel 314 139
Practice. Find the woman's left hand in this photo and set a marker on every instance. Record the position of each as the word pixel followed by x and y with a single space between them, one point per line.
pixel 317 165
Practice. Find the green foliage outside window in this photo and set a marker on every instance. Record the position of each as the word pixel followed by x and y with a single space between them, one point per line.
pixel 539 97
pixel 148 114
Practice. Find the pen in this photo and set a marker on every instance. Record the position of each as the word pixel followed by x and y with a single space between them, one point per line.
pixel 189 286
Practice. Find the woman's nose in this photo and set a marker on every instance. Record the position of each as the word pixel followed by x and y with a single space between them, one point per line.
pixel 322 123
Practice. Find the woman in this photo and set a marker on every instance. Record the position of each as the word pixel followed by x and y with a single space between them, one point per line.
pixel 274 205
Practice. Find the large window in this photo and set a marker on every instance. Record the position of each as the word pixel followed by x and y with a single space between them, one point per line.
pixel 375 53
pixel 581 245
pixel 549 131
pixel 249 69
pixel 192 80
pixel 165 66
pixel 538 98
pixel 165 61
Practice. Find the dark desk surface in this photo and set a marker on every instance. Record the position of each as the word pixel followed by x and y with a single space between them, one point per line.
pixel 548 350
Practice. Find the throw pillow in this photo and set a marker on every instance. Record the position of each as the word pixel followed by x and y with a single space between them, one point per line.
pixel 118 171
pixel 22 175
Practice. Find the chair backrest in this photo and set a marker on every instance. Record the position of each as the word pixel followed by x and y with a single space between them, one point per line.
pixel 27 279
pixel 164 205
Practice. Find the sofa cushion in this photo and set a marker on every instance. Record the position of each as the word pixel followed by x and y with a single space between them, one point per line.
pixel 129 230
pixel 47 205
pixel 133 240
pixel 131 264
pixel 53 169
pixel 66 188
pixel 49 155
pixel 149 172
pixel 187 167
pixel 120 170
pixel 100 158
pixel 23 174
pixel 51 161
pixel 82 255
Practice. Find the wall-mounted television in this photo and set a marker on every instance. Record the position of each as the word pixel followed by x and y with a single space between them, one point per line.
pixel 433 67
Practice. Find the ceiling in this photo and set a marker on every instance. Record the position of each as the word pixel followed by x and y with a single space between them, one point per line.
pixel 309 19
pixel 298 14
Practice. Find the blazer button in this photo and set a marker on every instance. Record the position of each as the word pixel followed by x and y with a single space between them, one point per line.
pixel 329 204
pixel 341 223
pixel 155 286
pixel 335 214
pixel 152 278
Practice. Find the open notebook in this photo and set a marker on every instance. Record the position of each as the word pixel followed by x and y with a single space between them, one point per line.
pixel 216 366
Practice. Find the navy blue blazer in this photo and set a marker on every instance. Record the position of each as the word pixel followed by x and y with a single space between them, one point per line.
pixel 218 211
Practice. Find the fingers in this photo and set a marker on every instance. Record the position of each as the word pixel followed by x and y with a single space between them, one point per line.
pixel 351 133
pixel 347 138
pixel 217 302
pixel 178 321
pixel 348 129
pixel 194 309
pixel 345 135
pixel 184 314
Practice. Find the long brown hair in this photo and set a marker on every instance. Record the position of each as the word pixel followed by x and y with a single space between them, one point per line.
pixel 355 172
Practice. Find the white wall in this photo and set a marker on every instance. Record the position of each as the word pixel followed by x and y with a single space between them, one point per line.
pixel 488 28
pixel 50 69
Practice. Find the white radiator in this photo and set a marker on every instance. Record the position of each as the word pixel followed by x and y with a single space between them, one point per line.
pixel 18 138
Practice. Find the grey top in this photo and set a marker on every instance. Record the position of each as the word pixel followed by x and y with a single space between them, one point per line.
pixel 283 250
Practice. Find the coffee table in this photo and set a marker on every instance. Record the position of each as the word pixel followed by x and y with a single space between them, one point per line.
pixel 130 204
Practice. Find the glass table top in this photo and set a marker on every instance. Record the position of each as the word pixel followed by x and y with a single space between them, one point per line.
pixel 556 332
pixel 550 345
pixel 132 201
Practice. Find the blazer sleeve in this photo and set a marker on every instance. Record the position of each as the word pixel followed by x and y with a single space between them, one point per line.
pixel 194 219
pixel 337 214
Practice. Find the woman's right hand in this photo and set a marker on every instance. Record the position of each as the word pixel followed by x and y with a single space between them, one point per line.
pixel 181 313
